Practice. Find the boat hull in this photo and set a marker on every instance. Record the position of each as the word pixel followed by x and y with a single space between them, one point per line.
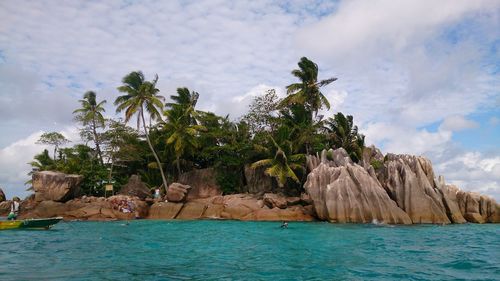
pixel 30 223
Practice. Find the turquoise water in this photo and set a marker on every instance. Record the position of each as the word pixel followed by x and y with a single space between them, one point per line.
pixel 232 250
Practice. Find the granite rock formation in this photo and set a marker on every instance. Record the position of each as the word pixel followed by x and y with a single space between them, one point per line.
pixel 235 206
pixel 56 186
pixel 409 180
pixel 178 192
pixel 203 183
pixel 89 208
pixel 346 192
pixel 135 187
pixel 350 194
pixel 257 181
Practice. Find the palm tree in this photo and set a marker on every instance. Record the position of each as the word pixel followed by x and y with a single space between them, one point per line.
pixel 307 91
pixel 182 135
pixel 91 114
pixel 140 95
pixel 282 166
pixel 343 133
pixel 181 123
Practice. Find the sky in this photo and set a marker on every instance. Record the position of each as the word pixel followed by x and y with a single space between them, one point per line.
pixel 419 76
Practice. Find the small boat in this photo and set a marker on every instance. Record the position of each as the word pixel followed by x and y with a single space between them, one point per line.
pixel 30 223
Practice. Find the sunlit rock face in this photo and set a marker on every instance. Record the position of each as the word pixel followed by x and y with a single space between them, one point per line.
pixel 401 189
pixel 56 186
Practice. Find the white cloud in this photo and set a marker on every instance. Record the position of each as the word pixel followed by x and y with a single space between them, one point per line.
pixel 361 27
pixel 457 123
pixel 473 171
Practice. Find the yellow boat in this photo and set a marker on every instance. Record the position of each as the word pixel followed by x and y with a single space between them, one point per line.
pixel 30 223
pixel 10 224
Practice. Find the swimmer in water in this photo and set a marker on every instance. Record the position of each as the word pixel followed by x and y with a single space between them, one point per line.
pixel 284 224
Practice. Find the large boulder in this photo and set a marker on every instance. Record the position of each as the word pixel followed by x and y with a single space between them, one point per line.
pixel 348 193
pixel 135 187
pixel 203 183
pixel 178 192
pixel 478 208
pixel 272 200
pixel 56 186
pixel 409 181
pixel 2 196
pixel 257 181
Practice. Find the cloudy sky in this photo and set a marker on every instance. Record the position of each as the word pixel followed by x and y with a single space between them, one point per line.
pixel 420 77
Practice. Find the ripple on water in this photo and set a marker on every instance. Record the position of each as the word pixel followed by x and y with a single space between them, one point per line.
pixel 231 250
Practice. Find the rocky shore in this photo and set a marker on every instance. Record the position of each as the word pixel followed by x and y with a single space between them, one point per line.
pixel 394 189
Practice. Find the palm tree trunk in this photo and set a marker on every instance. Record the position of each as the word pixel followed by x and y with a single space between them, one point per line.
pixel 96 141
pixel 153 151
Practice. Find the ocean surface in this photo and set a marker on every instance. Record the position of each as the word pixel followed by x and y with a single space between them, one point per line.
pixel 232 250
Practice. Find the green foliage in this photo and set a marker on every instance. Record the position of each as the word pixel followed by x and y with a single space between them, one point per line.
pixel 262 113
pixel 53 138
pixel 376 164
pixel 307 91
pixel 343 133
pixel 276 134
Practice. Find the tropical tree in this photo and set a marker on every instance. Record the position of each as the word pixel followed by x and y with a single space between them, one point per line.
pixel 90 114
pixel 307 91
pixel 140 95
pixel 262 114
pixel 53 138
pixel 343 133
pixel 283 164
pixel 181 123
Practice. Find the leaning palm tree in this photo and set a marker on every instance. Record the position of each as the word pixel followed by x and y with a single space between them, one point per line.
pixel 307 91
pixel 343 133
pixel 140 95
pixel 90 114
pixel 281 167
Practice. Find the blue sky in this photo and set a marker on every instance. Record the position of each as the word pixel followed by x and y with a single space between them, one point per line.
pixel 420 77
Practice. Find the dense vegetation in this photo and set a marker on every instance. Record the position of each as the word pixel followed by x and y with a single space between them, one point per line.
pixel 176 137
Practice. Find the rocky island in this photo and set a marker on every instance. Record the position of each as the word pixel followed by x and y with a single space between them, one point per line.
pixel 275 163
pixel 404 190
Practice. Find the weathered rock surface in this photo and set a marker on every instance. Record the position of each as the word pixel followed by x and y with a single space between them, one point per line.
pixel 331 158
pixel 257 181
pixel 478 208
pixel 135 187
pixel 203 183
pixel 349 194
pixel 56 186
pixel 89 208
pixel 178 192
pixel 164 210
pixel 192 210
pixel 235 206
pixel 409 181
pixel 272 200
pixel 2 196
pixel 449 193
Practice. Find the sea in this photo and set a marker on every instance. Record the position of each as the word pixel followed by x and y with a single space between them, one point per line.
pixel 235 250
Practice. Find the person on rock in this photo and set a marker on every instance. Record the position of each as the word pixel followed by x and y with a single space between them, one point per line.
pixel 14 208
